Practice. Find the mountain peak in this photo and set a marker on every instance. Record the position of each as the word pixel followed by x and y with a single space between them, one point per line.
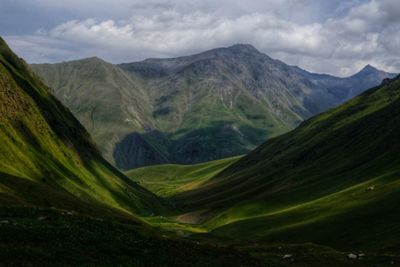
pixel 369 68
pixel 243 48
pixel 94 59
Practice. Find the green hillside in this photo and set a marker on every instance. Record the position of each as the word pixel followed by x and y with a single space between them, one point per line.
pixel 47 158
pixel 307 198
pixel 334 181
pixel 169 179
pixel 62 204
pixel 334 172
pixel 107 102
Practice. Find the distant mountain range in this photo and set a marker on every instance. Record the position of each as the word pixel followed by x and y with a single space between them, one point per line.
pixel 211 105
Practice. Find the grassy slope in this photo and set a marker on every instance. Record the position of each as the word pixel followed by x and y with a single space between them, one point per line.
pixel 170 179
pixel 49 237
pixel 295 187
pixel 87 86
pixel 47 159
pixel 43 147
pixel 53 163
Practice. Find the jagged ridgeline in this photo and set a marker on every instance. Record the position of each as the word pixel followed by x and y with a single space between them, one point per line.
pixel 47 158
pixel 215 104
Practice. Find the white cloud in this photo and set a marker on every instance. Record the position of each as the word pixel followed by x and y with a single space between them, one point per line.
pixel 41 48
pixel 367 33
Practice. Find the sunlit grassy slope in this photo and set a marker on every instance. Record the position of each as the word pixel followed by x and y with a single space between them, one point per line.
pixel 61 204
pixel 47 158
pixel 334 181
pixel 169 179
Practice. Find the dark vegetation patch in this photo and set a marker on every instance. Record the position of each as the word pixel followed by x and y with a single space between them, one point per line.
pixel 46 237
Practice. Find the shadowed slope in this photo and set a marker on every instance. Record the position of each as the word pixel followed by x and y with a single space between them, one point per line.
pixel 107 102
pixel 336 171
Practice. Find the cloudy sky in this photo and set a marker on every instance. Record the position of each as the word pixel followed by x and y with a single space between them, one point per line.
pixel 330 36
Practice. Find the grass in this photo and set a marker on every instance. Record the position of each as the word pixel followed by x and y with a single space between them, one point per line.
pixel 169 179
pixel 336 220
pixel 310 185
pixel 87 86
pixel 88 210
pixel 314 157
pixel 43 143
pixel 331 185
pixel 50 237
pixel 26 232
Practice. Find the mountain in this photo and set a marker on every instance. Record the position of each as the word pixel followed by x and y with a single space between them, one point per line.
pixel 223 102
pixel 107 102
pixel 334 180
pixel 338 90
pixel 62 204
pixel 48 159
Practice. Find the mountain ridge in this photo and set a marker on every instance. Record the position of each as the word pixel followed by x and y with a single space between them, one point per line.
pixel 235 93
pixel 47 158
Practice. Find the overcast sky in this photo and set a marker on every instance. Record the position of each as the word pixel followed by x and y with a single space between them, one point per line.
pixel 330 36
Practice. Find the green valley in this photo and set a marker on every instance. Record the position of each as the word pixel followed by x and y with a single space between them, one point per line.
pixel 178 133
pixel 336 171
pixel 62 204
pixel 323 194
pixel 169 179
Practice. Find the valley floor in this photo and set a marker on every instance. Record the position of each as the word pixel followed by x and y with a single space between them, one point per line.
pixel 345 212
pixel 48 237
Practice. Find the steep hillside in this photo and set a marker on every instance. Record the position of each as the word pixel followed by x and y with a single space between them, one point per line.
pixel 62 204
pixel 334 180
pixel 219 103
pixel 48 159
pixel 107 102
